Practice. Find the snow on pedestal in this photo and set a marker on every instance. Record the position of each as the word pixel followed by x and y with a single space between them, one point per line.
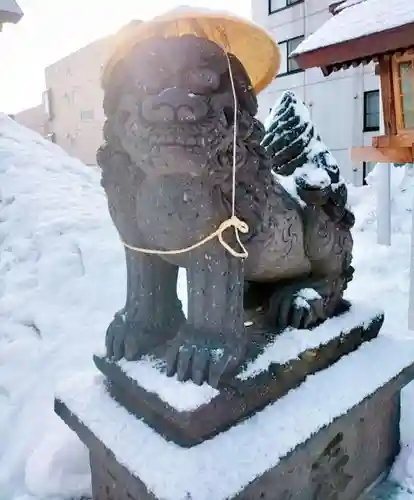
pixel 223 466
pixel 292 342
pixel 183 396
pixel 149 373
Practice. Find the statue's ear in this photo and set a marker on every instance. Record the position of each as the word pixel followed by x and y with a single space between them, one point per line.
pixel 244 90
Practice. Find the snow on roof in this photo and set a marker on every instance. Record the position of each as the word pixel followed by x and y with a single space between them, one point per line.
pixel 358 20
pixel 344 5
pixel 10 11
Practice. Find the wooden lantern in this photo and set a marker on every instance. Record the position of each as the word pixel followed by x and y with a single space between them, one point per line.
pixel 360 32
pixel 396 72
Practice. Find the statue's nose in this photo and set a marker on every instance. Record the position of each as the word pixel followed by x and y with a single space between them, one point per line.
pixel 174 105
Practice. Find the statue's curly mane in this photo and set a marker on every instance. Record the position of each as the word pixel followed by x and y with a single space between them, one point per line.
pixel 252 162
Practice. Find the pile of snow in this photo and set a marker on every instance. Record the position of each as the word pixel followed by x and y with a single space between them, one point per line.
pixel 63 276
pixel 382 272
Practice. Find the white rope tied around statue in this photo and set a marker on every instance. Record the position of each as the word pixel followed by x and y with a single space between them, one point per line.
pixel 233 221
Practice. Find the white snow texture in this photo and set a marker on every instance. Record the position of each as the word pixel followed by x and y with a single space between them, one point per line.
pixel 312 172
pixel 358 19
pixel 63 277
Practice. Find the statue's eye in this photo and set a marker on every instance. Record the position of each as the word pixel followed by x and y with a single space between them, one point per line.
pixel 201 80
pixel 150 76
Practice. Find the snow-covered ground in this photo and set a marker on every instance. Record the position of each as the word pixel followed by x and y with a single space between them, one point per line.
pixel 62 277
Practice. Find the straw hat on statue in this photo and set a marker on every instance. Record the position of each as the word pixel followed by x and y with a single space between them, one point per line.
pixel 250 43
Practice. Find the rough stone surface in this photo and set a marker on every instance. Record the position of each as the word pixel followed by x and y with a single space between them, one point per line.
pixel 237 398
pixel 167 172
pixel 338 463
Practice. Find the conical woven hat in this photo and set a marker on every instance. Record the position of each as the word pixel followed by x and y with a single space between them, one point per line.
pixel 250 43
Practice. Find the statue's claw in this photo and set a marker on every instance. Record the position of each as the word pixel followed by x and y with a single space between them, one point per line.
pixel 301 309
pixel 115 335
pixel 203 358
pixel 133 339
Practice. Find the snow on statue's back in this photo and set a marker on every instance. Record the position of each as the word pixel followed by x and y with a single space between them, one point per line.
pixel 301 161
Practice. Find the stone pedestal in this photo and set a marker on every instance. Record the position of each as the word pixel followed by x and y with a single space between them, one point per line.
pixel 279 364
pixel 328 439
pixel 338 462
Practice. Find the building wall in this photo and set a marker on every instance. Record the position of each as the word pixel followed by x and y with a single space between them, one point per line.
pixel 73 100
pixel 336 102
pixel 33 118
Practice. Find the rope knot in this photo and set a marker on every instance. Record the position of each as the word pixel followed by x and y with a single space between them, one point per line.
pixel 235 222
pixel 239 226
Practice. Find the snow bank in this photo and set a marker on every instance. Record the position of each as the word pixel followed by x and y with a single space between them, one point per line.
pixel 62 272
pixel 62 277
pixel 383 273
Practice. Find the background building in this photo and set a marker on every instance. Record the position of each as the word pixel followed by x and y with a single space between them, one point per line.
pixel 33 118
pixel 344 106
pixel 72 101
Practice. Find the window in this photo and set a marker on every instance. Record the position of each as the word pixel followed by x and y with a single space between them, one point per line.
pixel 276 5
pixel 288 64
pixel 86 115
pixel 404 82
pixel 405 74
pixel 47 100
pixel 371 111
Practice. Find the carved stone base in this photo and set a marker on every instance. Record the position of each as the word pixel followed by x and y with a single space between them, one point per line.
pixel 337 462
pixel 263 380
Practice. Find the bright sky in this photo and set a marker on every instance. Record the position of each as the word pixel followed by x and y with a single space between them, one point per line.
pixel 51 29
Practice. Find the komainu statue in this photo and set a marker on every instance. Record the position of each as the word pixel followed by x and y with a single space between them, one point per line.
pixel 167 172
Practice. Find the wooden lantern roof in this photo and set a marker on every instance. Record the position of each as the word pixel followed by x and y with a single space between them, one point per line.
pixel 359 31
pixel 10 12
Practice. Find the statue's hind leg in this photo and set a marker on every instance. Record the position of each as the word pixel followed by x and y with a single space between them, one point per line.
pixel 328 247
pixel 318 296
pixel 307 302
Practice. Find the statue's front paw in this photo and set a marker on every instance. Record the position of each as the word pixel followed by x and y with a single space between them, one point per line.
pixel 115 336
pixel 301 309
pixel 133 339
pixel 202 356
